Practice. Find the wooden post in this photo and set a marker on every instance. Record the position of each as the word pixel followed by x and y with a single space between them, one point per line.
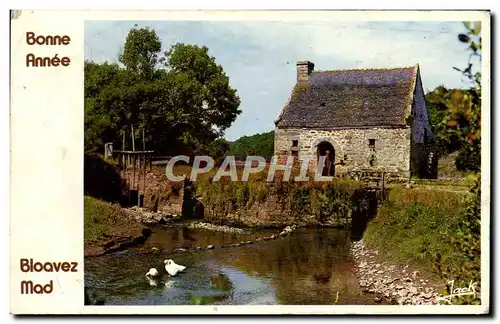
pixel 123 147
pixel 144 179
pixel 139 182
pixel 383 183
pixel 133 138
pixel 133 172
pixel 143 141
pixel 127 163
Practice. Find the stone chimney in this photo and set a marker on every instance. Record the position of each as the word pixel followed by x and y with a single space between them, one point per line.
pixel 304 68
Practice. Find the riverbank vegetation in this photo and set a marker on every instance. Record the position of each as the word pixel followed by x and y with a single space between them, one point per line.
pixel 104 221
pixel 284 202
pixel 435 230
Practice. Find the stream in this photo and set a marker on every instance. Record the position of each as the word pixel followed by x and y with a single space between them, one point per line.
pixel 308 267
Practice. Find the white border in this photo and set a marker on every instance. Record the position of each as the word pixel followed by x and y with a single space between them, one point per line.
pixel 304 309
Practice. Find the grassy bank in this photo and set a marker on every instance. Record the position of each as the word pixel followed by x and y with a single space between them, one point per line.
pixel 104 221
pixel 435 230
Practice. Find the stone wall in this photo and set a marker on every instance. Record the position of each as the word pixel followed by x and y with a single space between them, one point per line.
pixel 160 194
pixel 391 152
pixel 338 203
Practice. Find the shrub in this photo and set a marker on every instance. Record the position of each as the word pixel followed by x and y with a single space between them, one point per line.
pixel 102 180
pixel 468 160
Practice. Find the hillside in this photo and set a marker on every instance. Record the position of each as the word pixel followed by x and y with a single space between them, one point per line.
pixel 258 144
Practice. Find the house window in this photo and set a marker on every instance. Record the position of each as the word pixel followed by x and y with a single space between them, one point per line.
pixel 371 144
pixel 295 143
pixel 295 153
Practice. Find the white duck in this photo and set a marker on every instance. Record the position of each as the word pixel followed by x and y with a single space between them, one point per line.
pixel 152 282
pixel 152 273
pixel 172 268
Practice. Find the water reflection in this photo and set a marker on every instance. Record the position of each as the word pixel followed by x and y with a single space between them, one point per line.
pixel 308 267
pixel 181 237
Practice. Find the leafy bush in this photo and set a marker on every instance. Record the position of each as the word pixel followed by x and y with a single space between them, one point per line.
pixel 468 160
pixel 467 240
pixel 102 180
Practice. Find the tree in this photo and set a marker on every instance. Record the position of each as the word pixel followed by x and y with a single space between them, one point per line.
pixel 217 149
pixel 447 141
pixel 141 52
pixel 218 102
pixel 182 98
pixel 456 114
pixel 104 115
pixel 464 109
pixel 258 144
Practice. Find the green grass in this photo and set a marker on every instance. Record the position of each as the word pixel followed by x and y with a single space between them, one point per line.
pixel 102 219
pixel 416 226
pixel 466 181
pixel 447 167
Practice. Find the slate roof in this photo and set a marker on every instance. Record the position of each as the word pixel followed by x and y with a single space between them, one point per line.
pixel 350 98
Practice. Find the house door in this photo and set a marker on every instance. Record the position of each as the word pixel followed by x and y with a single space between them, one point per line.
pixel 326 149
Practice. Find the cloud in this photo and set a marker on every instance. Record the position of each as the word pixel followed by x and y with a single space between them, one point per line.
pixel 260 57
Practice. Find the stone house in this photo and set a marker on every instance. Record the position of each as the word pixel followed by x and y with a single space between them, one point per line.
pixel 363 119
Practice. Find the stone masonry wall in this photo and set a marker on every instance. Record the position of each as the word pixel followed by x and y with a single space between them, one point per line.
pixel 392 146
pixel 160 194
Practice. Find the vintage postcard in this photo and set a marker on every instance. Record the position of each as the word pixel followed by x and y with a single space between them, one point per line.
pixel 250 162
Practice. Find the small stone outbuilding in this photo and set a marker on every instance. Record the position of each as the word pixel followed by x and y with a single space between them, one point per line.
pixel 362 119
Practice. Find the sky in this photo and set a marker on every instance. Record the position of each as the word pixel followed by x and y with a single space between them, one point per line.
pixel 260 56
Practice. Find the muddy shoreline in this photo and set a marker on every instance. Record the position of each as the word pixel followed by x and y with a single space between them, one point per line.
pixel 114 243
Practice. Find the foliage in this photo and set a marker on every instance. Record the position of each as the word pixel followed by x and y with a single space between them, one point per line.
pixel 141 52
pixel 456 114
pixel 465 109
pixel 472 37
pixel 447 140
pixel 218 149
pixel 258 144
pixel 101 180
pixel 182 98
pixel 467 240
pixel 468 159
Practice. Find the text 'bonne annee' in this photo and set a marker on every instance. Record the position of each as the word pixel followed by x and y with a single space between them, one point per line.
pixel 48 40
